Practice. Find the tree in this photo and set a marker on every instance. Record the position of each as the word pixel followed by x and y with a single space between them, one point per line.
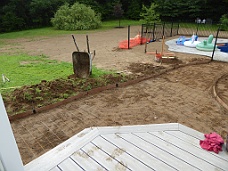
pixel 149 15
pixel 10 21
pixel 224 22
pixel 76 17
pixel 171 10
pixel 41 11
pixel 24 14
pixel 118 12
pixel 134 9
pixel 194 9
pixel 91 3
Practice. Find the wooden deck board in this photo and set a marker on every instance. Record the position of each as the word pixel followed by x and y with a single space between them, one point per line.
pixel 85 161
pixel 69 164
pixel 154 149
pixel 55 156
pixel 142 154
pixel 184 156
pixel 139 128
pixel 185 137
pixel 144 147
pixel 204 157
pixel 119 154
pixel 195 141
pixel 55 169
pixel 103 158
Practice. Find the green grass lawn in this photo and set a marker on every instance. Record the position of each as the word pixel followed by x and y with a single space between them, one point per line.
pixel 203 27
pixel 22 69
pixel 29 70
pixel 50 31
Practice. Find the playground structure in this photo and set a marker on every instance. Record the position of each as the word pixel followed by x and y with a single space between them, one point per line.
pixel 127 44
pixel 192 42
pixel 82 61
pixel 150 33
pixel 182 39
pixel 156 31
pixel 206 45
pixel 223 47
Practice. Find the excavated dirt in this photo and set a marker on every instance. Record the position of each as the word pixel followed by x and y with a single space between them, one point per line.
pixel 180 95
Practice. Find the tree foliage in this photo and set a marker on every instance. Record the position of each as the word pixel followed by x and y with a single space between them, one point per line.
pixel 76 17
pixel 24 14
pixel 134 10
pixel 41 11
pixel 224 22
pixel 118 11
pixel 149 15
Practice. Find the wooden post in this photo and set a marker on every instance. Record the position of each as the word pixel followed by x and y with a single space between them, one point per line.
pixel 163 29
pixel 146 40
pixel 171 32
pixel 163 41
pixel 154 31
pixel 128 44
pixel 178 26
pixel 142 32
pixel 212 57
pixel 9 153
pixel 197 28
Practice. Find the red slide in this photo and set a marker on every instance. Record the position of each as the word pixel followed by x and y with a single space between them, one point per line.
pixel 137 40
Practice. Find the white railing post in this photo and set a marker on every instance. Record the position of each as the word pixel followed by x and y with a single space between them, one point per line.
pixel 9 153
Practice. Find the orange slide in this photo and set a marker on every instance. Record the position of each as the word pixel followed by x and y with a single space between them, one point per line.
pixel 137 40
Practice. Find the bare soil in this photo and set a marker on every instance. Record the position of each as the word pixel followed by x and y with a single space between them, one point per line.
pixel 181 95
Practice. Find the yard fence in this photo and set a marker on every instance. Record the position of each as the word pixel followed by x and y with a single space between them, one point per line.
pixel 201 30
pixel 156 31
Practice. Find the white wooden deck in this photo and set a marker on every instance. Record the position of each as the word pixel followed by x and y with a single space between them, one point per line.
pixel 147 147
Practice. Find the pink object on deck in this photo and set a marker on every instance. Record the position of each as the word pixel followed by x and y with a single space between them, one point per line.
pixel 212 142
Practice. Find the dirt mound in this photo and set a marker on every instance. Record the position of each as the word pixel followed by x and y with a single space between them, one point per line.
pixel 49 92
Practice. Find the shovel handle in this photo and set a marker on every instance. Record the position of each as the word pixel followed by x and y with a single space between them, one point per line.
pixel 75 43
pixel 87 41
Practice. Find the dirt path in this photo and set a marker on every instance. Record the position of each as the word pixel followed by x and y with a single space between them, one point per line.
pixel 183 95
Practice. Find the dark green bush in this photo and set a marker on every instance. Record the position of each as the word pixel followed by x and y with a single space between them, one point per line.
pixel 224 22
pixel 76 17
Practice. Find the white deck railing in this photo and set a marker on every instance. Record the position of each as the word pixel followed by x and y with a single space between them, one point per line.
pixel 9 154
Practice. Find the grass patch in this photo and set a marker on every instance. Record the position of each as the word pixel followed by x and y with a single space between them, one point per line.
pixel 40 32
pixel 2 43
pixel 123 23
pixel 50 31
pixel 203 27
pixel 29 70
pixel 36 81
pixel 96 73
pixel 106 25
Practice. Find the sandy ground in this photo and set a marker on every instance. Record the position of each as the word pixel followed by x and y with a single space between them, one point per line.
pixel 183 95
